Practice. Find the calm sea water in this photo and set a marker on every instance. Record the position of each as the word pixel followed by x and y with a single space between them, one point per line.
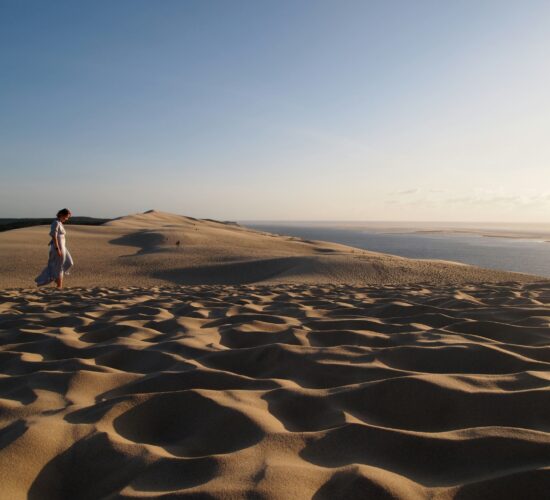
pixel 521 255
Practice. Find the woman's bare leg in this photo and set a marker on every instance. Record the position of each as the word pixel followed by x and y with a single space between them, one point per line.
pixel 59 282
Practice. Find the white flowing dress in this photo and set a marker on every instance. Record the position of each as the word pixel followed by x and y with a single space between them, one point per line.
pixel 57 265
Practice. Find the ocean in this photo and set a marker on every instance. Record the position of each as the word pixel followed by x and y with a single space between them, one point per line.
pixel 521 255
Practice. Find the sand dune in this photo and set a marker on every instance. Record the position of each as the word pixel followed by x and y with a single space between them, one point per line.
pixel 281 391
pixel 282 368
pixel 141 250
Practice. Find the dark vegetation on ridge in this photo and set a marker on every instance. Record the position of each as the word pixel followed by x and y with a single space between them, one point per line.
pixel 7 224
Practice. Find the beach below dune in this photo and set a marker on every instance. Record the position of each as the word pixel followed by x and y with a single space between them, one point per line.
pixel 276 391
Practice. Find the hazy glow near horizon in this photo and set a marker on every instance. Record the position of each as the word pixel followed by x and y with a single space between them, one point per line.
pixel 317 109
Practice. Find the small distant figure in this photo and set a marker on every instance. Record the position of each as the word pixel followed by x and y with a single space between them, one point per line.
pixel 60 260
pixel 178 243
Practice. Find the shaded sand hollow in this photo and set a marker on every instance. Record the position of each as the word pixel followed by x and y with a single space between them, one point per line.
pixel 141 250
pixel 276 392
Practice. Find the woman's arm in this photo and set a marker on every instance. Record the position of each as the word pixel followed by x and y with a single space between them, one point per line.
pixel 53 234
pixel 56 244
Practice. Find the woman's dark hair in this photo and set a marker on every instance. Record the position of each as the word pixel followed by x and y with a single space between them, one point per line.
pixel 63 211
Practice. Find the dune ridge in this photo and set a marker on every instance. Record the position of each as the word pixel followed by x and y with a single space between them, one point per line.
pixel 276 391
pixel 159 248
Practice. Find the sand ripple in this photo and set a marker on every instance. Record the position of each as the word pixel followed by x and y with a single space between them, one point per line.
pixel 285 391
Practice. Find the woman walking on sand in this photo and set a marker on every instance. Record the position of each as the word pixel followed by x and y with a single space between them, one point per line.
pixel 60 260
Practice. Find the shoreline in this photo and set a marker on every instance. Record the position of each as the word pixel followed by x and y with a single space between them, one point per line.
pixel 518 236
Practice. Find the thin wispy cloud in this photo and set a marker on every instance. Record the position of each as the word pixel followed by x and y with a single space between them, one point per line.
pixel 434 199
pixel 408 191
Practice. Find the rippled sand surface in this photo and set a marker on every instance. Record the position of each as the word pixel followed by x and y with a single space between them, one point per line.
pixel 276 392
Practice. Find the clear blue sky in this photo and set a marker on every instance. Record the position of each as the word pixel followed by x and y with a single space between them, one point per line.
pixel 289 109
